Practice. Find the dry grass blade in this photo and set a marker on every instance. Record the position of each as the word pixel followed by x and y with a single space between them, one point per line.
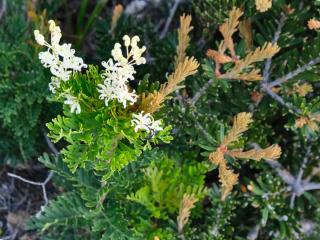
pixel 183 38
pixel 240 124
pixel 271 153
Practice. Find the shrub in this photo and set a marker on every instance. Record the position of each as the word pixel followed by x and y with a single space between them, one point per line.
pixel 182 150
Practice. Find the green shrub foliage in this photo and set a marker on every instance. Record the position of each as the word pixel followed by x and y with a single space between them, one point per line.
pixel 156 146
pixel 24 109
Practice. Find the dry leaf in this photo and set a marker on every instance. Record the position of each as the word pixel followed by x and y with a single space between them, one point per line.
pixel 311 121
pixel 288 9
pixel 227 177
pixel 216 157
pixel 218 57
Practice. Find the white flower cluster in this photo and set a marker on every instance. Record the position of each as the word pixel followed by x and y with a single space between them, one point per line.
pixel 145 122
pixel 59 58
pixel 119 70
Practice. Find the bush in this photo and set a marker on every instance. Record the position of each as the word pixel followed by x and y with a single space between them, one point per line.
pixel 208 132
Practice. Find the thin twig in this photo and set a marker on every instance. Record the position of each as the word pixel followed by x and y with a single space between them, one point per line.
pixel 294 73
pixel 169 20
pixel 314 172
pixel 311 186
pixel 3 8
pixel 254 232
pixel 202 90
pixel 281 100
pixel 42 184
pixel 297 185
pixel 215 228
pixel 49 143
pixel 201 128
pixel 285 175
pixel 267 66
pixel 304 164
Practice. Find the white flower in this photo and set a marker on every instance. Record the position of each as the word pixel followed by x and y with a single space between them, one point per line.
pixel 118 74
pixel 73 102
pixel 54 84
pixel 59 58
pixel 39 37
pixel 145 122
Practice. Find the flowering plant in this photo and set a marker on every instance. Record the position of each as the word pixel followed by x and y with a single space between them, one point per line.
pixel 116 182
pixel 100 121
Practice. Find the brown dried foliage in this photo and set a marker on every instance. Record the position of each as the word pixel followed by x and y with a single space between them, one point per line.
pixel 183 38
pixel 186 205
pixel 311 122
pixel 263 5
pixel 227 177
pixel 240 124
pixel 228 28
pixel 313 24
pixel 245 29
pixel 184 67
pixel 152 102
pixel 272 152
pixel 243 69
pixel 303 89
pixel 117 12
